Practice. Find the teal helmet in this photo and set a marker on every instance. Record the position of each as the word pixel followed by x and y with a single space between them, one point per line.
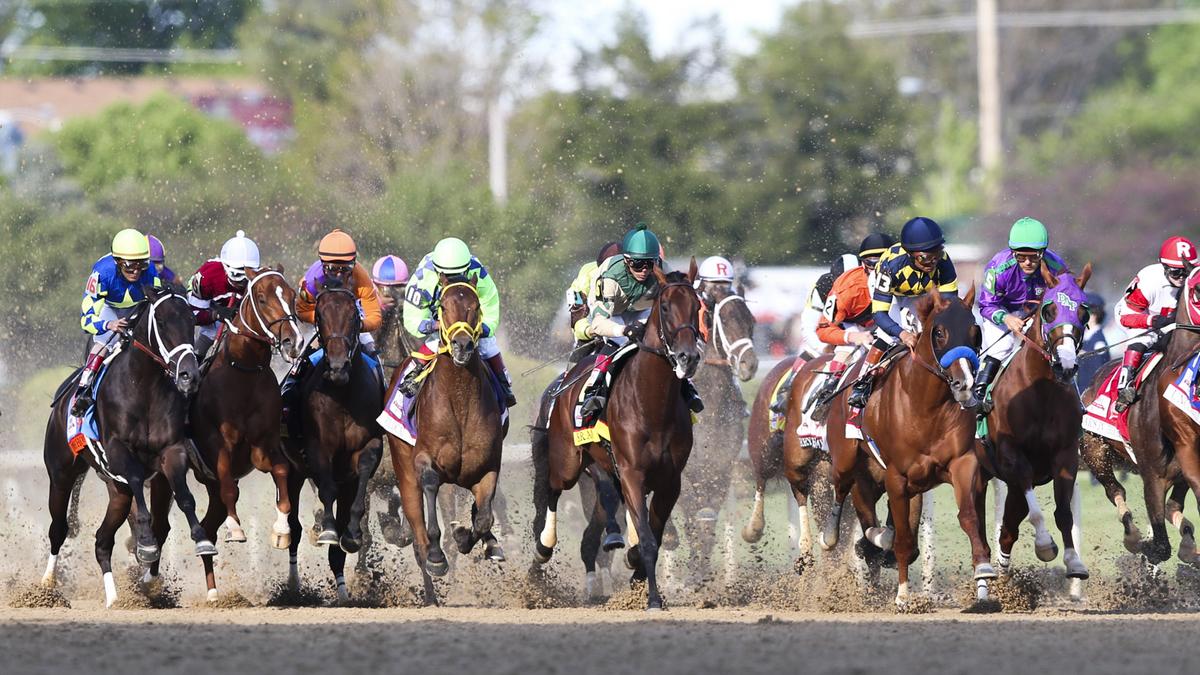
pixel 640 243
pixel 1028 233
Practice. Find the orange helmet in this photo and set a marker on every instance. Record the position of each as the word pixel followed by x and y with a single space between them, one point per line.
pixel 337 246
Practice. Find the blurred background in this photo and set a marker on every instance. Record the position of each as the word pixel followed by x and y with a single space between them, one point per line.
pixel 774 132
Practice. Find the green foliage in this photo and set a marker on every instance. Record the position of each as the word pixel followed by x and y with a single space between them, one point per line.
pixel 949 186
pixel 163 140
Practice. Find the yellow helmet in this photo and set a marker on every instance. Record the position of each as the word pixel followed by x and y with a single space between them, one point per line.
pixel 130 244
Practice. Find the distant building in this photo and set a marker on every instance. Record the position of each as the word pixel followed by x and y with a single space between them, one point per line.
pixel 266 119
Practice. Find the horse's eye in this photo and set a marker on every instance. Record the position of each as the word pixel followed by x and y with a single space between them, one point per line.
pixel 1085 314
pixel 1049 312
pixel 939 336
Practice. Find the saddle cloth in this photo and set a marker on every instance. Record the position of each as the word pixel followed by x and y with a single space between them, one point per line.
pixel 399 416
pixel 812 433
pixel 1101 417
pixel 1182 393
pixel 83 433
pixel 593 428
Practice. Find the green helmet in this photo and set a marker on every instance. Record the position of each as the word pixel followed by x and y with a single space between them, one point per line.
pixel 1028 233
pixel 451 256
pixel 131 245
pixel 640 243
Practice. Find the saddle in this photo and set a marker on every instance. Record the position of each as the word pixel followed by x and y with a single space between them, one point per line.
pixel 399 416
pixel 593 428
pixel 1101 417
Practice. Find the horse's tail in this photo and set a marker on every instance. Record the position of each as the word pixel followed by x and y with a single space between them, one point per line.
pixel 539 441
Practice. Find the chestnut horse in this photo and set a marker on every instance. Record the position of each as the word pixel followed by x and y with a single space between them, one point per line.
pixel 340 444
pixel 728 357
pixel 1165 442
pixel 765 448
pixel 460 434
pixel 235 416
pixel 920 427
pixel 1033 430
pixel 649 424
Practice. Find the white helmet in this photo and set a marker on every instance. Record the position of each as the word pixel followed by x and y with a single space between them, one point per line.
pixel 716 268
pixel 238 253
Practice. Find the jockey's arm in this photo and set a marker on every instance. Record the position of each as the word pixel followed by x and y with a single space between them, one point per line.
pixel 368 299
pixel 1133 310
pixel 200 301
pixel 418 300
pixel 881 304
pixel 604 306
pixel 306 305
pixel 829 327
pixel 992 297
pixel 489 303
pixel 93 304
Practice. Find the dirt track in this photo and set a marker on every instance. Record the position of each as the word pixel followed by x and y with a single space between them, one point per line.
pixel 450 640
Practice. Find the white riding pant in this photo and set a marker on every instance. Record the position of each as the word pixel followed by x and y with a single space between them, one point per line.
pixel 998 342
pixel 108 313
pixel 904 312
pixel 488 346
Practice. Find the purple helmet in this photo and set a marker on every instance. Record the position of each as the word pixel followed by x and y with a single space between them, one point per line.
pixel 389 270
pixel 157 253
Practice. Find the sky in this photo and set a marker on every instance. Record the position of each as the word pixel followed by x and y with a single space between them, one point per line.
pixel 569 23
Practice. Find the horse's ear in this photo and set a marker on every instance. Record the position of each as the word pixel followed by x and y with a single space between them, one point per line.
pixel 692 271
pixel 969 299
pixel 1086 274
pixel 278 267
pixel 659 276
pixel 251 273
pixel 152 291
pixel 925 307
pixel 474 282
pixel 1048 276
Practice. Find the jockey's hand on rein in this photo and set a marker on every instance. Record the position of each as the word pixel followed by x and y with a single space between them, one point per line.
pixel 909 339
pixel 634 331
pixel 1159 321
pixel 224 313
pixel 119 325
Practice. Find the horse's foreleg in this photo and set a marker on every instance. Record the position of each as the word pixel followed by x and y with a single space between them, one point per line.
pixel 482 520
pixel 119 501
pixel 174 465
pixel 1099 459
pixel 1064 491
pixel 60 501
pixel 337 554
pixel 281 531
pixel 898 506
pixel 1187 533
pixel 295 483
pixel 160 523
pixel 327 493
pixel 73 511
pixel 632 482
pixel 1014 510
pixel 842 475
pixel 435 559
pixel 589 543
pixel 368 463
pixel 211 522
pixel 968 482
pixel 1159 548
pixel 229 494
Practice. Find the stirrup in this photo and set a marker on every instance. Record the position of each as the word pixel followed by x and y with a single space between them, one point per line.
pixel 409 385
pixel 83 401
pixel 593 404
pixel 859 395
pixel 1125 398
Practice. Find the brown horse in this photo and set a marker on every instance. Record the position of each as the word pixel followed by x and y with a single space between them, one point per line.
pixel 340 444
pixel 765 448
pixel 1033 430
pixel 648 422
pixel 728 357
pixel 923 433
pixel 460 434
pixel 235 416
pixel 1165 442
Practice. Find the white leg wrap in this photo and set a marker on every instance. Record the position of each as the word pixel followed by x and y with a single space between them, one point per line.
pixel 883 537
pixel 589 585
pixel 213 596
pixel 549 535
pixel 293 574
pixel 981 589
pixel 1042 541
pixel 281 523
pixel 631 533
pixel 51 575
pixel 1000 490
pixel 805 540
pixel 110 590
pixel 902 593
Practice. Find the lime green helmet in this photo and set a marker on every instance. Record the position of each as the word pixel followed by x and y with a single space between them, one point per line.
pixel 130 244
pixel 640 243
pixel 1028 233
pixel 451 256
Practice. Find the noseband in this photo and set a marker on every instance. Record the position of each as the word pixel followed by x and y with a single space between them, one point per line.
pixel 734 351
pixel 169 360
pixel 447 333
pixel 266 330
pixel 665 336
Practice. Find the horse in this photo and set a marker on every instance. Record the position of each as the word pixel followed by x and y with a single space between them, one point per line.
pixel 728 354
pixel 649 424
pixel 141 410
pixel 235 416
pixel 460 434
pixel 765 448
pixel 923 424
pixel 1165 442
pixel 340 444
pixel 1034 428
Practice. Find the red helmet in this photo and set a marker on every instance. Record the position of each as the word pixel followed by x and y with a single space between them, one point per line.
pixel 1177 252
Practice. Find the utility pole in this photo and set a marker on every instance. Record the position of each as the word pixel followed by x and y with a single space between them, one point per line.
pixel 990 147
pixel 498 148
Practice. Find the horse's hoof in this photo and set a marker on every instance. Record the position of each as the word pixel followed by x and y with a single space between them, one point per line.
pixel 985 571
pixel 632 559
pixel 349 544
pixel 464 539
pixel 147 555
pixel 436 564
pixel 281 540
pixel 494 553
pixel 541 554
pixel 1187 551
pixel 613 541
pixel 1046 551
pixel 234 532
pixel 828 538
pixel 883 537
pixel 1155 552
pixel 327 538
pixel 751 535
pixel 707 515
pixel 212 595
pixel 393 532
pixel 205 548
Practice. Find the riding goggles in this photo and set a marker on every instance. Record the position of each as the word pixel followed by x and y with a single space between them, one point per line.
pixel 929 257
pixel 133 265
pixel 1176 273
pixel 1028 257
pixel 639 264
pixel 337 270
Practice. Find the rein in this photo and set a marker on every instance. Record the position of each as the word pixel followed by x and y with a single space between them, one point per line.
pixel 265 332
pixel 664 336
pixel 734 351
pixel 161 355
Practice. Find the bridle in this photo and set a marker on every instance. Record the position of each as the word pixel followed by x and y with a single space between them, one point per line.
pixel 265 332
pixel 942 362
pixel 447 333
pixel 733 351
pixel 170 360
pixel 665 336
pixel 350 340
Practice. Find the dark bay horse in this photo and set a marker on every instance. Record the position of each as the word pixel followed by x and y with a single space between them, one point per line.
pixel 923 429
pixel 649 424
pixel 340 442
pixel 460 435
pixel 1165 442
pixel 235 415
pixel 141 410
pixel 1033 430
pixel 765 447
pixel 727 358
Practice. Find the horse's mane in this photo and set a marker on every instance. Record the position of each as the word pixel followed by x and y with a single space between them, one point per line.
pixel 665 278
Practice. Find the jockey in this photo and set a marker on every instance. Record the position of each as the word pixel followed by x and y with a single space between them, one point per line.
pixel 847 321
pixel 811 345
pixel 1012 290
pixel 215 290
pixel 577 296
pixel 620 303
pixel 111 294
pixel 390 276
pixel 451 262
pixel 337 267
pixel 158 258
pixel 905 273
pixel 1149 307
pixel 714 270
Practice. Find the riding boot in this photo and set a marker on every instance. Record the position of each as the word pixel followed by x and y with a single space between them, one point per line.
pixel 409 385
pixel 1125 382
pixel 83 394
pixel 820 401
pixel 862 387
pixel 496 363
pixel 779 403
pixel 692 397
pixel 203 344
pixel 983 380
pixel 595 392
